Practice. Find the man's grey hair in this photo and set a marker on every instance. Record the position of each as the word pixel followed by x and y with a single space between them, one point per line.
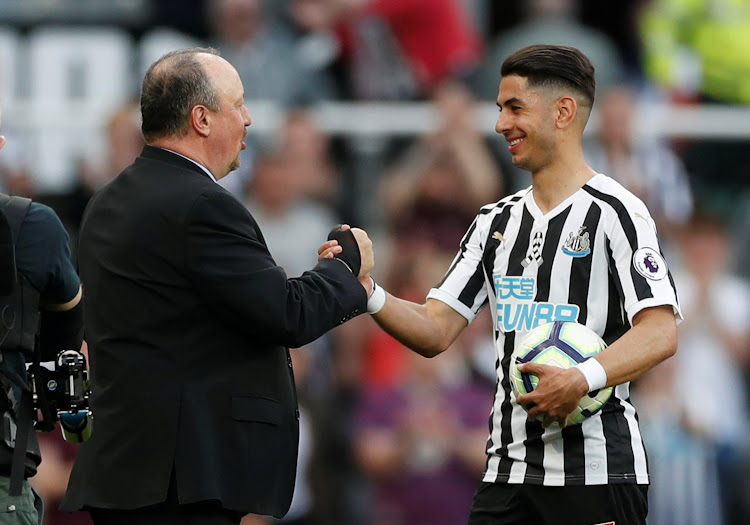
pixel 171 88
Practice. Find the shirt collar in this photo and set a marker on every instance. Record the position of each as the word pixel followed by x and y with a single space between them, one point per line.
pixel 201 166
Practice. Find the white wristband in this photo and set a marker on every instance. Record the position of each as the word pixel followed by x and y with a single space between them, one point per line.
pixel 594 373
pixel 376 301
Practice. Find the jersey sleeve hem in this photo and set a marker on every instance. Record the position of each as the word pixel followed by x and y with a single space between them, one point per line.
pixel 451 301
pixel 651 302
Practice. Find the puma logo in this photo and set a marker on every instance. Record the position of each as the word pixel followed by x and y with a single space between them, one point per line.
pixel 498 236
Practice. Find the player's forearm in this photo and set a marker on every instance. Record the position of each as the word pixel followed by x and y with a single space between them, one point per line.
pixel 412 325
pixel 652 339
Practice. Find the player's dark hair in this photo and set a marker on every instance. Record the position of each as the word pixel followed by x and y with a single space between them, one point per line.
pixel 553 66
pixel 171 88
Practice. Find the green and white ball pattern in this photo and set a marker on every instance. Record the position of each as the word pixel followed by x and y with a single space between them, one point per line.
pixel 563 344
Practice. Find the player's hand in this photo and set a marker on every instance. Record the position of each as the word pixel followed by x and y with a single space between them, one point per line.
pixel 329 249
pixel 366 254
pixel 332 248
pixel 556 395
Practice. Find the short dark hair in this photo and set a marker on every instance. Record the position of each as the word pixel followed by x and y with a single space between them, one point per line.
pixel 172 86
pixel 553 66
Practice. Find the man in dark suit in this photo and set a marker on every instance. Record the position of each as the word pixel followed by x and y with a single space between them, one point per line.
pixel 188 320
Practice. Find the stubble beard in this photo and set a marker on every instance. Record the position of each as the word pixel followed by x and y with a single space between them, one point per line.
pixel 235 165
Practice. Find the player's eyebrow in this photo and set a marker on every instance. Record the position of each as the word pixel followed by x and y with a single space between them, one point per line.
pixel 510 101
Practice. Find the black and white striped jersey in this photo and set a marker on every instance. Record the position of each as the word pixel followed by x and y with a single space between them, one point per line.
pixel 594 259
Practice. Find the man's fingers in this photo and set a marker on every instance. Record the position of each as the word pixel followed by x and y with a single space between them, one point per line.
pixel 531 368
pixel 351 251
pixel 327 246
pixel 537 415
pixel 329 253
pixel 523 399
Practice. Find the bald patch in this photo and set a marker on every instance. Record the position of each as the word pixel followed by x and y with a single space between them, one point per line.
pixel 173 85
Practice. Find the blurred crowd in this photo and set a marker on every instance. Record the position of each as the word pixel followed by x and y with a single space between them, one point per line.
pixel 388 437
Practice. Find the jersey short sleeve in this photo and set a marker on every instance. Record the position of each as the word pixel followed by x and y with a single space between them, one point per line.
pixel 463 287
pixel 43 255
pixel 639 267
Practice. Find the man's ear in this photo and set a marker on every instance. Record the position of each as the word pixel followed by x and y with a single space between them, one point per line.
pixel 566 111
pixel 2 141
pixel 200 120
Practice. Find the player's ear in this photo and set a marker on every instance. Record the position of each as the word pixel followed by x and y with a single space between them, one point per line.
pixel 566 111
pixel 2 141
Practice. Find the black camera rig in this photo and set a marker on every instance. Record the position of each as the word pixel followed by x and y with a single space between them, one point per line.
pixel 62 395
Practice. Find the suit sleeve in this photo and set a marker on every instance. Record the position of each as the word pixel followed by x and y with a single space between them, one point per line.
pixel 231 267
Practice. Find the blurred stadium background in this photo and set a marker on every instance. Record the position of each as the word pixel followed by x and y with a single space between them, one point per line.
pixel 381 113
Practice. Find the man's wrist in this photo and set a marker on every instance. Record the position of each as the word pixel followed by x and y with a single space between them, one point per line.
pixel 376 300
pixel 594 373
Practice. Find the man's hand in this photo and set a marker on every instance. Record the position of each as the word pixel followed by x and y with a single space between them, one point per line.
pixel 333 248
pixel 557 394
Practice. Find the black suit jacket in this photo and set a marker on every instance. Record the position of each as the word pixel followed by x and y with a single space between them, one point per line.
pixel 188 320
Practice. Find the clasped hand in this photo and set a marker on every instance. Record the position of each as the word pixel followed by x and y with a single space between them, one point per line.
pixel 556 395
pixel 330 249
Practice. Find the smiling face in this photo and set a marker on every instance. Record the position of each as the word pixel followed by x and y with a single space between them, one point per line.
pixel 527 121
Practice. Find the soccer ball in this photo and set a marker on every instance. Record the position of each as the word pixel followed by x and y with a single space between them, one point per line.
pixel 564 344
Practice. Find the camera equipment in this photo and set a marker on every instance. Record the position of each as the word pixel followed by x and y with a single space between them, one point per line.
pixel 63 394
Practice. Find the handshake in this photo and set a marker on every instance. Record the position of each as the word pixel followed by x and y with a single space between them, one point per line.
pixel 353 247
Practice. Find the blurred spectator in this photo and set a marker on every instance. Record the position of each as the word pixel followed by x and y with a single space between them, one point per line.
pixel 434 191
pixel 552 22
pixel 317 44
pixel 183 15
pixel 300 510
pixel 430 196
pixel 422 442
pixel 739 217
pixel 698 48
pixel 401 49
pixel 293 224
pixel 411 273
pixel 15 178
pixel 646 166
pixel 699 51
pixel 682 462
pixel 306 150
pixel 18 182
pixel 714 351
pixel 265 54
pixel 51 480
pixel 332 390
pixel 619 21
pixel 291 195
pixel 123 143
